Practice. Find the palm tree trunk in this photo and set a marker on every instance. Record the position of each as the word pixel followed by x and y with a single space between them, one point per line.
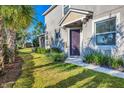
pixel 1 46
pixel 12 44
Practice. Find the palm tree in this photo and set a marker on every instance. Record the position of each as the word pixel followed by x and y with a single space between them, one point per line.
pixel 15 18
pixel 1 46
pixel 21 38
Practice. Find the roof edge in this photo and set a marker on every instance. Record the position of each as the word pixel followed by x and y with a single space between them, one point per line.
pixel 49 9
pixel 74 10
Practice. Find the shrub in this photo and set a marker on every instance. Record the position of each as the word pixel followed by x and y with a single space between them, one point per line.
pixel 116 63
pixel 42 50
pixel 97 58
pixel 93 58
pixel 104 60
pixel 101 59
pixel 58 57
pixel 56 50
pixel 54 53
pixel 88 58
pixel 47 51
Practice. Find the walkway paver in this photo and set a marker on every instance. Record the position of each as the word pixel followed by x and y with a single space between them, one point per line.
pixel 79 62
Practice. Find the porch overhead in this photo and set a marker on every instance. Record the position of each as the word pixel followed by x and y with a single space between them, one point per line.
pixel 74 17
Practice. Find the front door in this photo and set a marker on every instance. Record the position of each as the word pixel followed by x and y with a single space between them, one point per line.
pixel 75 42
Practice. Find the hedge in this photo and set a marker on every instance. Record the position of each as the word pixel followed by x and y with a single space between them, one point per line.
pixel 54 53
pixel 104 60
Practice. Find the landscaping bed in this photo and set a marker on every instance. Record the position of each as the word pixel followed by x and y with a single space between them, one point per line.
pixel 102 60
pixel 11 73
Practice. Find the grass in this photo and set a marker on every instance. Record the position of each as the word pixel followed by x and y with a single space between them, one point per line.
pixel 38 71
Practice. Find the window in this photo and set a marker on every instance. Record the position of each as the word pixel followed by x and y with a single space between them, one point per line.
pixel 65 9
pixel 105 39
pixel 105 32
pixel 57 35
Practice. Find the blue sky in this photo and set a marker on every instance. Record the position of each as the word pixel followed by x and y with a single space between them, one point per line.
pixel 39 10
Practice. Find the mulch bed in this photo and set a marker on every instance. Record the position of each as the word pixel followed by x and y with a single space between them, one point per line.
pixel 11 73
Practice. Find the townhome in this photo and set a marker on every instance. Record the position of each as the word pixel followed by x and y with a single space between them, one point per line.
pixel 83 28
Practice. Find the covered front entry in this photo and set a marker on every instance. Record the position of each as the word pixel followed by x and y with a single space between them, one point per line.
pixel 73 22
pixel 74 42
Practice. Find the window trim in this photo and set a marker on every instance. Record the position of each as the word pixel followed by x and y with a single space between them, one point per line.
pixel 63 10
pixel 103 33
pixel 105 21
pixel 117 15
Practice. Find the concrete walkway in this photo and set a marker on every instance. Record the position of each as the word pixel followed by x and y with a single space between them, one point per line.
pixel 78 61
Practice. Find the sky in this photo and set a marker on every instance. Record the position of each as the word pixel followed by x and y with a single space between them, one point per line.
pixel 39 10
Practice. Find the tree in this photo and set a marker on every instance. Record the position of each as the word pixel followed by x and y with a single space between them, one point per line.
pixel 1 46
pixel 35 42
pixel 21 38
pixel 38 29
pixel 15 18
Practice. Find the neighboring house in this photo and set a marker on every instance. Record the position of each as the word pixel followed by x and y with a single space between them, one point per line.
pixel 86 27
pixel 42 40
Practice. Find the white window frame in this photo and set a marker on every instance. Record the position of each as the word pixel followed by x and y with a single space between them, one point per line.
pixel 117 15
pixel 63 9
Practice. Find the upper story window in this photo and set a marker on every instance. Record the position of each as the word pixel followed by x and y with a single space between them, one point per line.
pixel 57 35
pixel 105 31
pixel 66 9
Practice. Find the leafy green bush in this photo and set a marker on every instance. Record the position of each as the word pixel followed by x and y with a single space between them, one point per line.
pixel 54 53
pixel 58 57
pixel 97 58
pixel 88 58
pixel 41 50
pixel 104 60
pixel 93 58
pixel 116 63
pixel 47 50
pixel 56 50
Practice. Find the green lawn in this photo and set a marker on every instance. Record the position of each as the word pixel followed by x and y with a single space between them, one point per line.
pixel 39 71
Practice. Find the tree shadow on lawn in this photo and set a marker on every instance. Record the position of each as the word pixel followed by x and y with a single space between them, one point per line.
pixel 26 78
pixel 104 81
pixel 62 67
pixel 70 81
pixel 89 79
pixel 40 66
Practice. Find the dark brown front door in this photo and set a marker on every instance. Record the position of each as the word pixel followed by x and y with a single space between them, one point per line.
pixel 75 42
